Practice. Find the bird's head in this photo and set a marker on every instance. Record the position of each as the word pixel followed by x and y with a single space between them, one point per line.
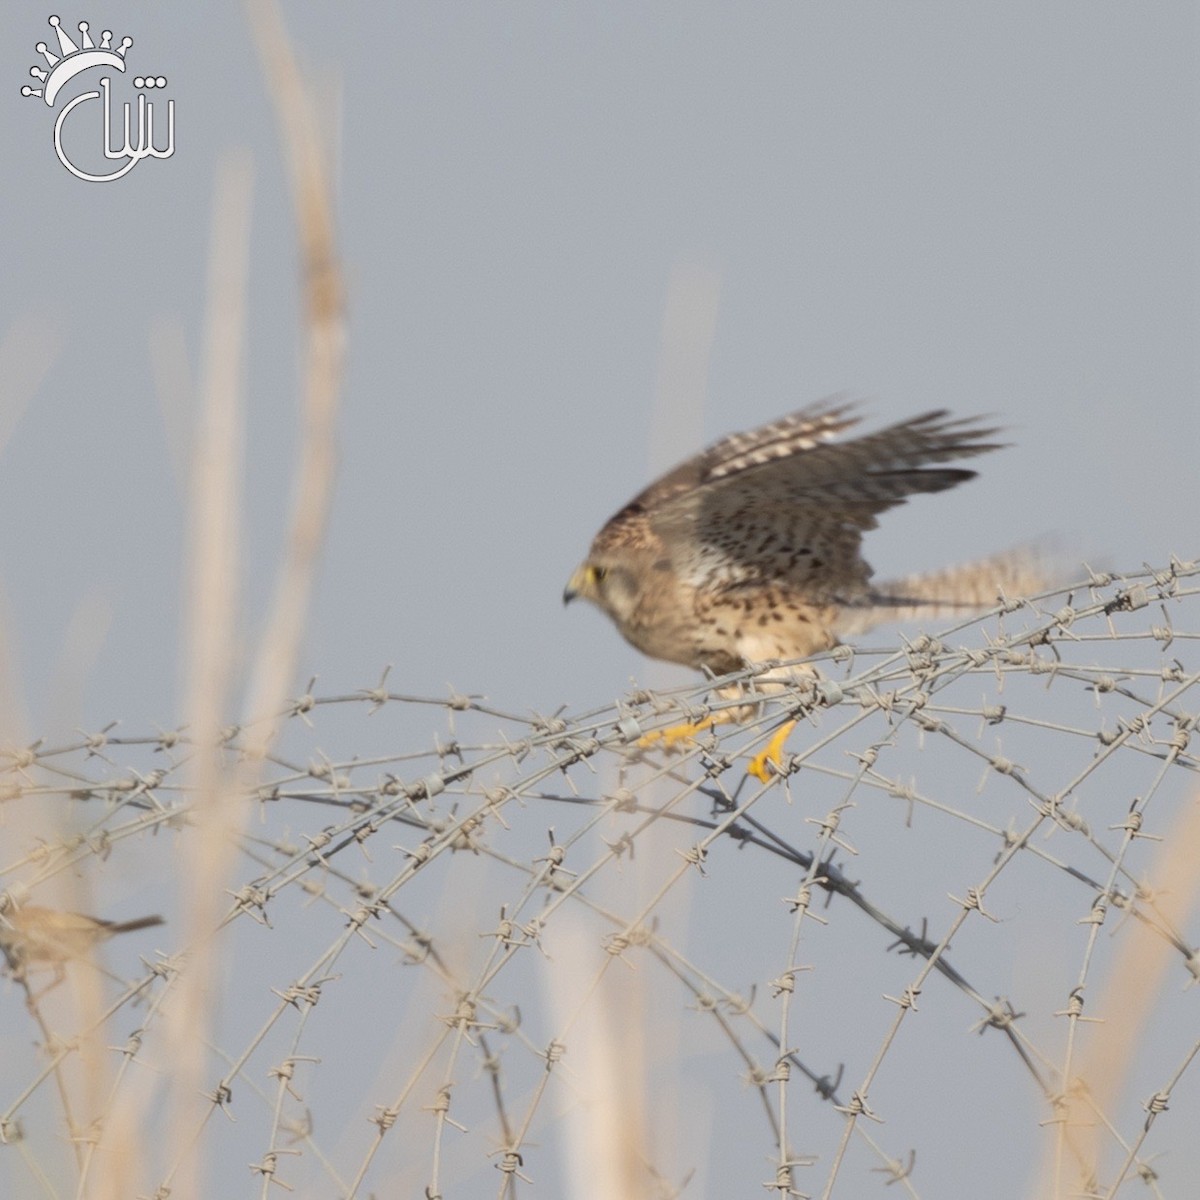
pixel 607 583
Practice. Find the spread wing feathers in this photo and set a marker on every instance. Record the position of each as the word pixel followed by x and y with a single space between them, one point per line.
pixel 786 504
pixel 799 433
pixel 878 470
pixel 794 434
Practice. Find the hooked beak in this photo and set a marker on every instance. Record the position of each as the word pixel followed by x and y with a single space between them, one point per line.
pixel 574 586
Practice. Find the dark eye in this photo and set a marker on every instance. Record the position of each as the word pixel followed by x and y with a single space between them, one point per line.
pixel 598 573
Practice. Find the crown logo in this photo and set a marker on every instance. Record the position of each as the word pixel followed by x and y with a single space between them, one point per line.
pixel 72 59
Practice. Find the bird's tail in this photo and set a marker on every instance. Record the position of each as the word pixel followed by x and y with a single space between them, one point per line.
pixel 130 926
pixel 955 592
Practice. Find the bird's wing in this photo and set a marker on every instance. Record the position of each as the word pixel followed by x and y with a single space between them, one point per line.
pixel 788 504
pixel 801 431
pixel 797 433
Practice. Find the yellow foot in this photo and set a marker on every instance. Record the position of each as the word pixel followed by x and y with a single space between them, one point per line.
pixel 772 754
pixel 674 734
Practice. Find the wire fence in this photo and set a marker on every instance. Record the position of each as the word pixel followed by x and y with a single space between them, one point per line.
pixel 948 948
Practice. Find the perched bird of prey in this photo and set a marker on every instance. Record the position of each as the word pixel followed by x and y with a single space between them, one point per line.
pixel 751 551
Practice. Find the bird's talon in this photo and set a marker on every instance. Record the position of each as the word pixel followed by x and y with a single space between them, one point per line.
pixel 674 734
pixel 769 761
pixel 762 767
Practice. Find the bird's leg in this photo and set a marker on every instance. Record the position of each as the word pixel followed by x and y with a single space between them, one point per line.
pixel 674 734
pixel 60 975
pixel 799 678
pixel 772 754
pixel 769 761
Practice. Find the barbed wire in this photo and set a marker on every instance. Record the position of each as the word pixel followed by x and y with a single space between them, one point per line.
pixel 882 967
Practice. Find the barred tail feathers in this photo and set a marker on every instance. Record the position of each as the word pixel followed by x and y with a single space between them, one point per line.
pixel 954 592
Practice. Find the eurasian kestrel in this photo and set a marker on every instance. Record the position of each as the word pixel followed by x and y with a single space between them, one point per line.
pixel 751 551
